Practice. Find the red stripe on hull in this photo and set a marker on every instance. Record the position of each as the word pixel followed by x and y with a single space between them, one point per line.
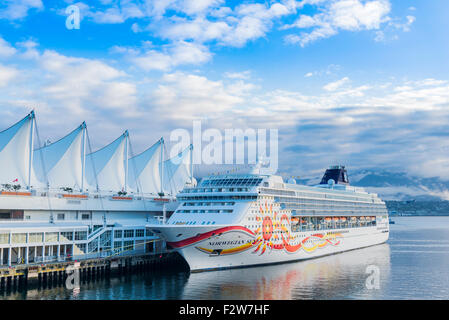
pixel 206 235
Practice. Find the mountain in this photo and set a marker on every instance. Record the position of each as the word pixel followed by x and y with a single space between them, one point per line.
pixel 389 185
pixel 399 186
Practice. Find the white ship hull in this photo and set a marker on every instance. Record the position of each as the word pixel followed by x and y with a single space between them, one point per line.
pixel 236 221
pixel 241 249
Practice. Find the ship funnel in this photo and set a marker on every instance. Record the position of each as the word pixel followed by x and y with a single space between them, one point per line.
pixel 336 173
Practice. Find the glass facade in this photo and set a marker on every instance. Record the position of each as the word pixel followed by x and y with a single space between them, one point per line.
pixel 243 181
pixel 299 223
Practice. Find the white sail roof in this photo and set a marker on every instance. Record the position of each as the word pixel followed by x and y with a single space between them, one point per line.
pixel 177 171
pixel 144 170
pixel 106 167
pixel 61 163
pixel 15 150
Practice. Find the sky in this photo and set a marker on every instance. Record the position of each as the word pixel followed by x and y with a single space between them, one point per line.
pixel 357 82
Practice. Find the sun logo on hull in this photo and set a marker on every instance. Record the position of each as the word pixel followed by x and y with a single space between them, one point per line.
pixel 265 232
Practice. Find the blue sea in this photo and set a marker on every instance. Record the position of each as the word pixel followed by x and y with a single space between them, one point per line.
pixel 413 264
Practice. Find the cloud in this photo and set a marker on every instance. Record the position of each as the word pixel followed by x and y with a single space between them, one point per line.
pixel 18 9
pixel 168 57
pixel 400 122
pixel 6 50
pixel 6 75
pixel 244 75
pixel 337 15
pixel 187 97
pixel 332 86
pixel 65 90
pixel 394 25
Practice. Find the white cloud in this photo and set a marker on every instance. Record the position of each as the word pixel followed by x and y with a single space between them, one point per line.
pixel 187 96
pixel 173 55
pixel 336 15
pixel 7 74
pixel 332 86
pixel 6 50
pixel 18 9
pixel 238 75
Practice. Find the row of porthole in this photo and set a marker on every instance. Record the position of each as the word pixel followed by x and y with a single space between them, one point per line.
pixel 193 222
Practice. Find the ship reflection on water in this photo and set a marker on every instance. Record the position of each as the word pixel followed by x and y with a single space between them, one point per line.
pixel 332 277
pixel 337 276
pixel 412 265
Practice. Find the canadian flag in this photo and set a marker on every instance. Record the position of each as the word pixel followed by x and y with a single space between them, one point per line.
pixel 17 180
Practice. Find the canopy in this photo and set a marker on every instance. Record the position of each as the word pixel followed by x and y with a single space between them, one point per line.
pixel 61 163
pixel 177 171
pixel 15 148
pixel 109 164
pixel 144 171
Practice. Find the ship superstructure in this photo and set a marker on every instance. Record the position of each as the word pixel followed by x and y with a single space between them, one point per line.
pixel 61 201
pixel 241 220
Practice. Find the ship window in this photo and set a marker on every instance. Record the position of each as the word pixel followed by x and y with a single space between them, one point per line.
pixel 61 216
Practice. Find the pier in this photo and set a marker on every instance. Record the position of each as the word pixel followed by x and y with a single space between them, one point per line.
pixel 52 274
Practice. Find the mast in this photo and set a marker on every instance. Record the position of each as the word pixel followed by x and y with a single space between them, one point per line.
pixel 126 158
pixel 33 119
pixel 161 173
pixel 83 167
pixel 191 164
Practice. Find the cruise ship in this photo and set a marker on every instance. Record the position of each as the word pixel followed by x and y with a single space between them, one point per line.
pixel 230 221
pixel 61 201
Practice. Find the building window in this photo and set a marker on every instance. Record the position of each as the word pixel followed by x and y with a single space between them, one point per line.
pixel 81 248
pixel 85 216
pixel 36 237
pixel 129 233
pixel 61 216
pixel 149 233
pixel 51 237
pixel 117 244
pixel 140 233
pixel 4 238
pixel 128 245
pixel 19 238
pixel 118 233
pixel 67 236
pixel 80 235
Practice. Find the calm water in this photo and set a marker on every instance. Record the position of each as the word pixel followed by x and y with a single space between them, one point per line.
pixel 413 265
